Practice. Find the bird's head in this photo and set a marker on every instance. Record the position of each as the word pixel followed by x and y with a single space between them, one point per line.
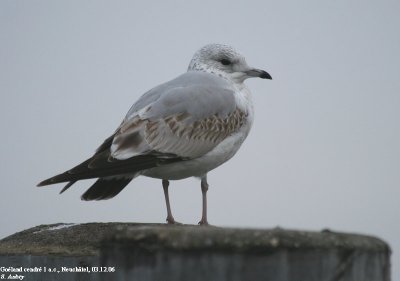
pixel 226 62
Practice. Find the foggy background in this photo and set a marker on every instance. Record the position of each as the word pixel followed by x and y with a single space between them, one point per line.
pixel 324 149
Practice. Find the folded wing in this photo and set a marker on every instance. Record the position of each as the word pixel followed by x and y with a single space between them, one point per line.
pixel 176 121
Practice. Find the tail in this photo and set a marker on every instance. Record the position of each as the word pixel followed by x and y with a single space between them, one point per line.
pixel 98 167
pixel 113 174
pixel 105 188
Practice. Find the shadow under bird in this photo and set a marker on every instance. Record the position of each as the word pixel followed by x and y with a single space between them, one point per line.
pixel 183 128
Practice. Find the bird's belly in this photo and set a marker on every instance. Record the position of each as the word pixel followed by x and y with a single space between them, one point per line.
pixel 202 165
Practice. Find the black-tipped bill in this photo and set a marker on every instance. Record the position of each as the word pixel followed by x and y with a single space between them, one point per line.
pixel 265 75
pixel 258 73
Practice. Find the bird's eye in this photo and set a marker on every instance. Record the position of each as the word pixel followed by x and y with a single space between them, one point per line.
pixel 225 62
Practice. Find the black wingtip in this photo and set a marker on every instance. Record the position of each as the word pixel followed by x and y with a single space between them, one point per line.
pixel 64 177
pixel 43 183
pixel 67 186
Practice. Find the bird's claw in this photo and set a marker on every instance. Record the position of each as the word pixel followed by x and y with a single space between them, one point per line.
pixel 172 221
pixel 203 222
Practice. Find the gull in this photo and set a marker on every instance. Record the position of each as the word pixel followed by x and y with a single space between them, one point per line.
pixel 182 128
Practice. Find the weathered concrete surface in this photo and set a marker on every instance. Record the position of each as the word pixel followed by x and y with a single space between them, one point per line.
pixel 163 252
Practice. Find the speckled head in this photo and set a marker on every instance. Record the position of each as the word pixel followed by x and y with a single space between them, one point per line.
pixel 226 62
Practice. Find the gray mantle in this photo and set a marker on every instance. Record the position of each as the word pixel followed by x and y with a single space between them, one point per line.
pixel 130 251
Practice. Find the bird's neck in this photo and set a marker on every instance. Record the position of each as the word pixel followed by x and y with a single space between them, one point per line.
pixel 243 99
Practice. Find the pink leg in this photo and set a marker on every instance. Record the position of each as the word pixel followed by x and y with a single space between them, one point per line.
pixel 204 188
pixel 170 218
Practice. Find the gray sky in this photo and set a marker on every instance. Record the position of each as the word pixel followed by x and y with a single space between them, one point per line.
pixel 324 149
